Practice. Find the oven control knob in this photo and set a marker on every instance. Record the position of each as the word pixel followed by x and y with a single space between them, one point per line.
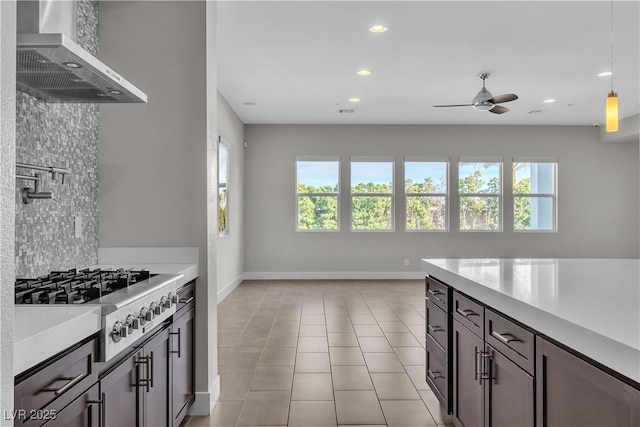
pixel 163 303
pixel 143 315
pixel 116 332
pixel 153 307
pixel 173 298
pixel 170 300
pixel 131 322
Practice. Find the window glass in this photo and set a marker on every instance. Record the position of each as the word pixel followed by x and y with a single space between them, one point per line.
pixel 534 196
pixel 372 195
pixel 426 195
pixel 318 194
pixel 479 188
pixel 223 196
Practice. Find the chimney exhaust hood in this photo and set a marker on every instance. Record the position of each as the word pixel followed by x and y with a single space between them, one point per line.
pixel 52 67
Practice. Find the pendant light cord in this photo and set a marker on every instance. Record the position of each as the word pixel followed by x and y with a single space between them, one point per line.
pixel 611 45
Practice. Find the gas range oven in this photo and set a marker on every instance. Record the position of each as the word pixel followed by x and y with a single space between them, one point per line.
pixel 132 302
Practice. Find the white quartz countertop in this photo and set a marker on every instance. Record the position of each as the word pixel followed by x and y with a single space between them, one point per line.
pixel 45 330
pixel 590 305
pixel 42 331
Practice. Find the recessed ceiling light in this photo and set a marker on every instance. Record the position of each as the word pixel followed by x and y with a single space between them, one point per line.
pixel 72 64
pixel 364 72
pixel 549 101
pixel 605 74
pixel 378 29
pixel 354 99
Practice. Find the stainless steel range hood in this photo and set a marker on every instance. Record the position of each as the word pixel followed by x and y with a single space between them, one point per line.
pixel 52 67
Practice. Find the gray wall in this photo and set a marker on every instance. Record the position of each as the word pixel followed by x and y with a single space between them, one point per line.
pixel 63 135
pixel 597 196
pixel 7 205
pixel 154 158
pixel 231 246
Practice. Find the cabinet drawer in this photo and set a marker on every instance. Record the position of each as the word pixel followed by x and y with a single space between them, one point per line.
pixel 437 324
pixel 57 384
pixel 469 313
pixel 186 299
pixel 511 339
pixel 437 372
pixel 438 293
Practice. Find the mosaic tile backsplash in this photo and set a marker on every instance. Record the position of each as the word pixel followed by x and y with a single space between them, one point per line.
pixel 61 135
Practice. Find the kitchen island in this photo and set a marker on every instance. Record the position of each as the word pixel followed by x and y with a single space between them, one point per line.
pixel 559 326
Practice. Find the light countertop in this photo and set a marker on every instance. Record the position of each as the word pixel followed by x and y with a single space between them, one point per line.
pixel 42 331
pixel 590 305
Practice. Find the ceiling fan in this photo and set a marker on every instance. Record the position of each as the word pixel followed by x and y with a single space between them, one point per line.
pixel 484 101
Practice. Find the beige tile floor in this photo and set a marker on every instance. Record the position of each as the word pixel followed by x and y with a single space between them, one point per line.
pixel 323 353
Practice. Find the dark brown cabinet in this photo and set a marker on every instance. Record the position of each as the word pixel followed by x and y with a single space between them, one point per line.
pixel 136 392
pixel 82 412
pixel 467 386
pixel 119 389
pixel 572 392
pixel 41 395
pixel 508 392
pixel 489 388
pixel 182 365
pixel 438 340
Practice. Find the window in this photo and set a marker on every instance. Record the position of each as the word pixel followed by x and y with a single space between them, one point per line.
pixel 426 194
pixel 317 193
pixel 223 191
pixel 479 187
pixel 371 194
pixel 534 194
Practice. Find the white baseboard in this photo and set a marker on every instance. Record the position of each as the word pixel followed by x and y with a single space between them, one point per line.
pixel 333 275
pixel 205 401
pixel 230 287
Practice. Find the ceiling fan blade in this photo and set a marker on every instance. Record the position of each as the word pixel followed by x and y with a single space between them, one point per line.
pixel 499 109
pixel 455 105
pixel 507 97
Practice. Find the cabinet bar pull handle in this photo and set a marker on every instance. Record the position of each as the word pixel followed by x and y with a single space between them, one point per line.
pixel 466 313
pixel 486 360
pixel 504 337
pixel 435 294
pixel 145 382
pixel 72 381
pixel 433 375
pixel 185 301
pixel 102 402
pixel 477 354
pixel 150 372
pixel 435 328
pixel 179 346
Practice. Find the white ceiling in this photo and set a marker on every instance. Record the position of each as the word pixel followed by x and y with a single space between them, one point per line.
pixel 296 60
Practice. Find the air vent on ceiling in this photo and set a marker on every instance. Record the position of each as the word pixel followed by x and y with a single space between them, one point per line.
pixel 536 111
pixel 346 111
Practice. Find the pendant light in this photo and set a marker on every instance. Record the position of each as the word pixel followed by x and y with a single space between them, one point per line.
pixel 611 109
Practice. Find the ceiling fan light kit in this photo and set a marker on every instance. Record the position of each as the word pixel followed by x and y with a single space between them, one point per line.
pixel 485 101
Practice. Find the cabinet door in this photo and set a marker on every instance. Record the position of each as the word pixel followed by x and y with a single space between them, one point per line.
pixel 156 396
pixel 182 365
pixel 467 389
pixel 120 389
pixel 508 393
pixel 82 412
pixel 572 392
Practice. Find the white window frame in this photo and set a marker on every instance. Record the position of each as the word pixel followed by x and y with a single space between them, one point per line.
pixel 365 159
pixel 553 196
pixel 499 195
pixel 447 212
pixel 336 195
pixel 227 147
